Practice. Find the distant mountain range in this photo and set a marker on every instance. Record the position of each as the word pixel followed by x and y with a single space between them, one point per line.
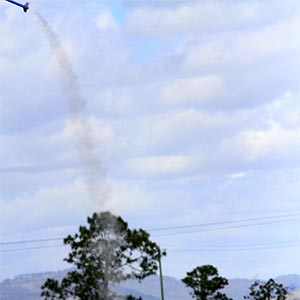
pixel 27 287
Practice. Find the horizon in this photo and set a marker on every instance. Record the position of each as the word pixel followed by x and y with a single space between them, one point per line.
pixel 237 288
pixel 155 275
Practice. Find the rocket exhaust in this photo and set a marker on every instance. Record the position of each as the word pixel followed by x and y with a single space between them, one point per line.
pixel 84 137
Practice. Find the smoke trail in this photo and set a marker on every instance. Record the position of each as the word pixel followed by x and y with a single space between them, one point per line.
pixel 85 140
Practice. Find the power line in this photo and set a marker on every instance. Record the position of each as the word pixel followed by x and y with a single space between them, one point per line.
pixel 225 222
pixel 237 249
pixel 224 228
pixel 31 241
pixel 30 248
pixel 218 248
pixel 270 218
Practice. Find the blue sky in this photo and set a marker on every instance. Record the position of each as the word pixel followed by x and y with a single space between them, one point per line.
pixel 195 114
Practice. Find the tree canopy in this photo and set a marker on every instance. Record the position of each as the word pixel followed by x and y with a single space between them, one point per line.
pixel 205 283
pixel 269 290
pixel 103 253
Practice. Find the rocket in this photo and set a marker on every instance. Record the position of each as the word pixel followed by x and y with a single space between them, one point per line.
pixel 24 6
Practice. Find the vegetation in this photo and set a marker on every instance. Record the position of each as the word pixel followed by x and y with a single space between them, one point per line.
pixel 104 253
pixel 269 290
pixel 107 252
pixel 205 283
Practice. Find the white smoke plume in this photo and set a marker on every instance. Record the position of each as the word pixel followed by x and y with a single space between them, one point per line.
pixel 83 131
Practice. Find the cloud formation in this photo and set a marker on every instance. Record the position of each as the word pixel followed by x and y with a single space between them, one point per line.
pixel 194 108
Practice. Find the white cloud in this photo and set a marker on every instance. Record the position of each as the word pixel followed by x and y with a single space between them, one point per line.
pixel 189 90
pixel 106 21
pixel 175 131
pixel 237 175
pixel 100 132
pixel 57 210
pixel 275 146
pixel 161 166
pixel 198 18
pixel 285 110
pixel 47 207
pixel 128 198
pixel 238 49
pixel 156 3
pixel 113 101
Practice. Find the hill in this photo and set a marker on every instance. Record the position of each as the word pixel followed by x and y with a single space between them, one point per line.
pixel 27 287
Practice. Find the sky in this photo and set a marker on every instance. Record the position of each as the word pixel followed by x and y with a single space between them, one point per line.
pixel 194 114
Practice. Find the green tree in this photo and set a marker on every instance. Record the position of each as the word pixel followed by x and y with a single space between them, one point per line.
pixel 103 253
pixel 205 283
pixel 269 290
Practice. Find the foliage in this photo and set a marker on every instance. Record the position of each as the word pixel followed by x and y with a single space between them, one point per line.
pixel 267 291
pixel 205 283
pixel 104 253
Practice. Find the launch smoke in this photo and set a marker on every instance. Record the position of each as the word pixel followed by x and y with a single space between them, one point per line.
pixel 85 140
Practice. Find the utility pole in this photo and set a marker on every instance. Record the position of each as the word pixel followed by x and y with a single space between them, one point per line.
pixel 161 279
